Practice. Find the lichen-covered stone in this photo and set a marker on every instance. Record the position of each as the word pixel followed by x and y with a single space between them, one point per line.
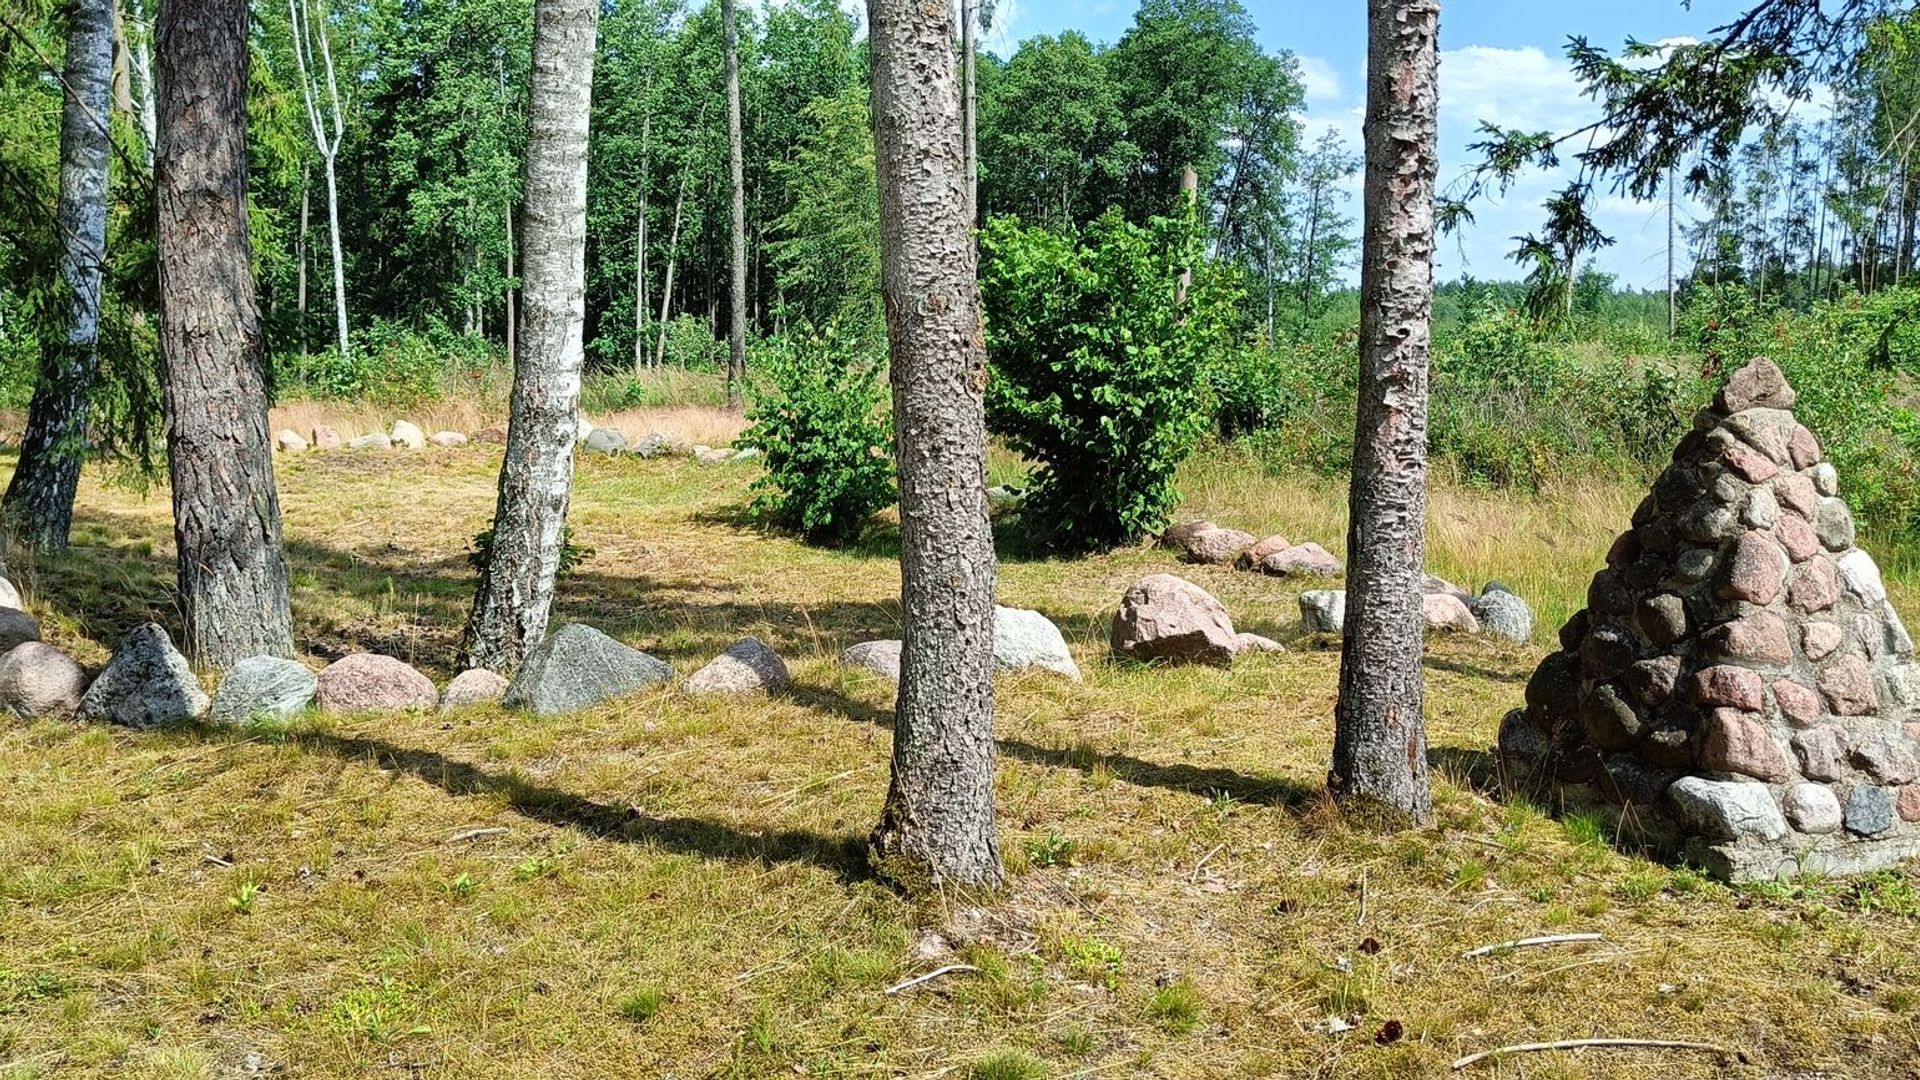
pixel 577 667
pixel 1766 430
pixel 1504 614
pixel 145 685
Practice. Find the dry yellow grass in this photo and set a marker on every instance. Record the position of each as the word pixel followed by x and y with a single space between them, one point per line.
pixel 679 888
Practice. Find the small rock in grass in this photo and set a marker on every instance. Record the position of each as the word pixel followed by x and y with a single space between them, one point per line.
pixel 1217 547
pixel 17 626
pixel 606 441
pixel 263 688
pixel 375 441
pixel 747 665
pixel 326 437
pixel 364 682
pixel 1503 614
pixel 1433 583
pixel 1025 639
pixel 1177 536
pixel 447 439
pixel 408 436
pixel 290 442
pixel 707 455
pixel 1302 560
pixel 495 435
pixel 1255 643
pixel 1251 558
pixel 577 667
pixel 1447 613
pixel 39 680
pixel 653 445
pixel 475 686
pixel 145 685
pixel 1324 611
pixel 879 657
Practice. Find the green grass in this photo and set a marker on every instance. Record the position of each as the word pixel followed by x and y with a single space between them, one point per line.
pixel 682 887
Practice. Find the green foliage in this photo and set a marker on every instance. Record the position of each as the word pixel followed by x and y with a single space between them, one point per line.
pixel 642 1005
pixel 829 260
pixel 391 364
pixel 817 414
pixel 691 345
pixel 572 555
pixel 1008 1065
pixel 1097 373
pixel 1176 1008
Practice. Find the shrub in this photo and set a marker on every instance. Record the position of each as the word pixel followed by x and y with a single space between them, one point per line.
pixel 393 363
pixel 817 415
pixel 1097 374
pixel 691 345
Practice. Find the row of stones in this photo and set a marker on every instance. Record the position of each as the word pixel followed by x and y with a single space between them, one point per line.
pixel 1207 544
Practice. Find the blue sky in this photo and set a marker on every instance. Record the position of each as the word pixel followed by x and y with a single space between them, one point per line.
pixel 1501 60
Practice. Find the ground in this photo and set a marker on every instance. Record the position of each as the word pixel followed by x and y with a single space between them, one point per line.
pixel 671 887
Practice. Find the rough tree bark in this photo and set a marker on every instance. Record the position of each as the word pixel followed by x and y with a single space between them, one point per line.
pixel 1380 743
pixel 38 506
pixel 937 827
pixel 226 511
pixel 536 481
pixel 969 106
pixel 736 169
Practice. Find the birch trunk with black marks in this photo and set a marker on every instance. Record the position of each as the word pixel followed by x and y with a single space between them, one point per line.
pixel 1380 744
pixel 38 506
pixel 937 827
pixel 737 172
pixel 226 511
pixel 515 596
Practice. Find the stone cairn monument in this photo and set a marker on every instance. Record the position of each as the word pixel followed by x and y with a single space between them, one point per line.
pixel 1739 684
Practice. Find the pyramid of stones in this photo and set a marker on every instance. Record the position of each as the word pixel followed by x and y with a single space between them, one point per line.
pixel 1739 684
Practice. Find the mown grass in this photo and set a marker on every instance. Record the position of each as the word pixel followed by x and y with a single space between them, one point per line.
pixel 681 887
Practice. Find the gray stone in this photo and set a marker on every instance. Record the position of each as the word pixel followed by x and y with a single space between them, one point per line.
pixel 10 596
pixel 1504 614
pixel 1693 565
pixel 408 436
pixel 1166 618
pixel 1826 478
pixel 1833 524
pixel 145 685
pixel 1862 577
pixel 1812 809
pixel 1217 547
pixel 747 665
pixel 369 682
pixel 1869 810
pixel 1653 682
pixel 289 441
pixel 263 688
pixel 1726 809
pixel 653 445
pixel 16 628
pixel 1663 618
pixel 1025 639
pixel 1885 756
pixel 475 686
pixel 1324 611
pixel 605 441
pixel 39 680
pixel 577 667
pixel 1447 613
pixel 376 441
pixel 1763 510
pixel 879 657
pixel 1255 643
pixel 1608 651
pixel 1707 522
pixel 447 440
pixel 582 427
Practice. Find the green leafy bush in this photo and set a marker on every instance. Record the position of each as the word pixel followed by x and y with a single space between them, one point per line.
pixel 393 363
pixel 691 345
pixel 1097 374
pixel 817 412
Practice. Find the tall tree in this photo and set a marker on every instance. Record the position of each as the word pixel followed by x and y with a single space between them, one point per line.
pixel 737 175
pixel 937 826
pixel 1380 741
pixel 326 119
pixel 226 511
pixel 515 596
pixel 38 507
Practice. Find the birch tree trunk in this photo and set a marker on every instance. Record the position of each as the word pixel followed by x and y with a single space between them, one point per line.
pixel 736 170
pixel 328 125
pixel 515 597
pixel 139 37
pixel 1380 743
pixel 937 827
pixel 233 574
pixel 38 506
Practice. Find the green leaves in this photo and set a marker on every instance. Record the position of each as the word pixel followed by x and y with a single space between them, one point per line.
pixel 817 416
pixel 1097 373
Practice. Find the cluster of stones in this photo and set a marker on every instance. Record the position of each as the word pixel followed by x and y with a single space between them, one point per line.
pixel 1739 678
pixel 148 683
pixel 1447 609
pixel 1206 544
pixel 1022 641
pixel 406 435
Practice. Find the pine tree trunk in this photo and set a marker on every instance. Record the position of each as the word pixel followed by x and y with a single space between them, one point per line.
pixel 970 106
pixel 515 597
pixel 233 574
pixel 1380 743
pixel 737 264
pixel 937 827
pixel 38 506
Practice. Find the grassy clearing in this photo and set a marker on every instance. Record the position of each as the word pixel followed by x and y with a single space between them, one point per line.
pixel 680 887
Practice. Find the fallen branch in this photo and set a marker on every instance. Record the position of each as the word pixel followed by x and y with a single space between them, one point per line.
pixel 950 969
pixel 475 834
pixel 1582 1044
pixel 1528 943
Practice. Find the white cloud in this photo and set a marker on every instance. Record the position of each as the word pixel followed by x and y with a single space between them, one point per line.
pixel 1318 79
pixel 1520 88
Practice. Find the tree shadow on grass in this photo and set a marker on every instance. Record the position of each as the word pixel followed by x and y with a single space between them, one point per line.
pixel 845 856
pixel 1206 782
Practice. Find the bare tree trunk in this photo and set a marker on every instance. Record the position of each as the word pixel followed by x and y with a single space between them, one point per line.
pixel 937 827
pixel 300 256
pixel 513 296
pixel 1380 741
pixel 515 597
pixel 138 36
pixel 38 506
pixel 970 104
pixel 737 263
pixel 1189 204
pixel 305 35
pixel 673 253
pixel 1673 296
pixel 640 250
pixel 226 511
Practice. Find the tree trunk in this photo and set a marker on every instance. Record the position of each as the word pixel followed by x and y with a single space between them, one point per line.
pixel 737 263
pixel 937 827
pixel 969 107
pixel 673 254
pixel 327 143
pixel 536 480
pixel 226 511
pixel 1380 742
pixel 1189 204
pixel 513 296
pixel 138 37
pixel 640 248
pixel 38 506
pixel 300 257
